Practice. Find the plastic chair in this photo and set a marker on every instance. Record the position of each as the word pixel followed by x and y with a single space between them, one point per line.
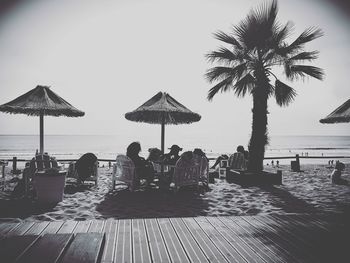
pixel 186 173
pixel 124 171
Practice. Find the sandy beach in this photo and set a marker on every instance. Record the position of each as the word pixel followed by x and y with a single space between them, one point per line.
pixel 309 191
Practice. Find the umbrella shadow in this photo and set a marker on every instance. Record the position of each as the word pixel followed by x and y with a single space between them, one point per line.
pixel 152 203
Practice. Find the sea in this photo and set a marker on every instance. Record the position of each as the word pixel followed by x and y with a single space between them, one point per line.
pixel 109 146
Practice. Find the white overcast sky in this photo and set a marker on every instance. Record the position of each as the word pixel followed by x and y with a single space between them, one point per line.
pixel 108 57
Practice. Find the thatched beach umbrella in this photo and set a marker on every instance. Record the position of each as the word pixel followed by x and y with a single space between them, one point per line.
pixel 163 109
pixel 41 101
pixel 340 114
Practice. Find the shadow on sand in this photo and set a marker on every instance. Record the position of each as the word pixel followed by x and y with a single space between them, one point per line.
pixel 152 203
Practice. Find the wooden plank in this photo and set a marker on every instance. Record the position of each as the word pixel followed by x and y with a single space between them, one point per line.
pixel 124 247
pixel 37 228
pixel 331 246
pixel 96 226
pixel 263 251
pixel 266 240
pixel 82 226
pixel 110 230
pixel 67 227
pixel 207 246
pixel 48 248
pixel 86 247
pixel 175 249
pixel 283 240
pixel 243 248
pixel 229 252
pixel 141 251
pixel 53 227
pixel 156 243
pixel 192 249
pixel 312 234
pixel 283 226
pixel 13 247
pixel 20 229
pixel 7 227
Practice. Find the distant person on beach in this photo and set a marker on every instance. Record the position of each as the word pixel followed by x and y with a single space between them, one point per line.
pixel 172 156
pixel 237 160
pixel 336 174
pixel 144 169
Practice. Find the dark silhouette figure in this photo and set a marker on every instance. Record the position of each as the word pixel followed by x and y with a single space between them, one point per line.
pixel 172 157
pixel 85 166
pixel 143 168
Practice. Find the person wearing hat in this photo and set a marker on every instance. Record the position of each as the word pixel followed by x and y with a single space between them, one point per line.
pixel 172 157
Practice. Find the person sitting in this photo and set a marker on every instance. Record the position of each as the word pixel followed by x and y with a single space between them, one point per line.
pixel 172 157
pixel 336 174
pixel 237 160
pixel 143 168
pixel 154 155
pixel 200 153
pixel 219 159
pixel 85 166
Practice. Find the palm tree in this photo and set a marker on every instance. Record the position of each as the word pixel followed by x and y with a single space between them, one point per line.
pixel 257 45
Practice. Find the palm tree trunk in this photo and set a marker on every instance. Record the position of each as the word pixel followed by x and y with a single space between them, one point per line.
pixel 259 137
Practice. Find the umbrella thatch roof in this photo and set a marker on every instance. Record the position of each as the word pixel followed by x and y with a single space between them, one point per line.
pixel 41 100
pixel 341 114
pixel 162 108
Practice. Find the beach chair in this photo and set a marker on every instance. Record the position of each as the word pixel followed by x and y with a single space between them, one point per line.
pixel 237 161
pixel 186 173
pixel 40 162
pixel 124 171
pixel 84 170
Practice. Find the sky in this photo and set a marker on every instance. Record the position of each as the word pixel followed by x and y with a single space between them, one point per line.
pixel 108 57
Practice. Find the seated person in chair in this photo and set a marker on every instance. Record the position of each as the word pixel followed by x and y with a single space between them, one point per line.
pixel 336 174
pixel 143 168
pixel 85 166
pixel 237 160
pixel 172 157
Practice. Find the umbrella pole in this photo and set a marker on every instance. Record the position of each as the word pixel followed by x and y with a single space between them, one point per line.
pixel 41 133
pixel 163 131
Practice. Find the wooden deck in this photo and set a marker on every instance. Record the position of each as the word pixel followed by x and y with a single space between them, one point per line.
pixel 270 238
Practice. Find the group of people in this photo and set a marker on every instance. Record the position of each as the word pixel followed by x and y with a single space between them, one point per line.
pixel 145 168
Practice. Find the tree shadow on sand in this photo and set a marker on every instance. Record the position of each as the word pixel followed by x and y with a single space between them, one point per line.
pixel 288 202
pixel 153 203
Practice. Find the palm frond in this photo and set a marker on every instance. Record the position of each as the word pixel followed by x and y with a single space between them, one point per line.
pixel 281 33
pixel 304 56
pixel 295 72
pixel 229 39
pixel 219 73
pixel 222 86
pixel 308 35
pixel 284 94
pixel 244 85
pixel 225 55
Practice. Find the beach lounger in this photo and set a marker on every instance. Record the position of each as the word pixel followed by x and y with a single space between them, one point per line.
pixel 84 170
pixel 124 171
pixel 186 173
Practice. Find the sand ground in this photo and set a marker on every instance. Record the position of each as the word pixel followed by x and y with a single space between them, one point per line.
pixel 309 191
